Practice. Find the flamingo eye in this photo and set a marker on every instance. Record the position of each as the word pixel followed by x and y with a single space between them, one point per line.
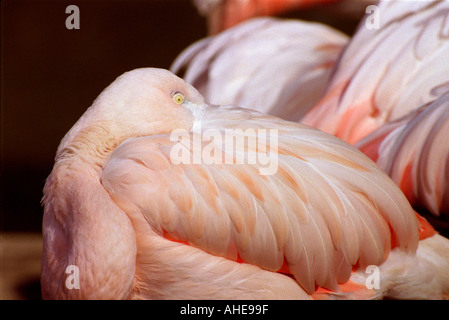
pixel 178 98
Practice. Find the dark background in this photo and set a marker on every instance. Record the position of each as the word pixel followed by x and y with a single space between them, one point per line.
pixel 50 75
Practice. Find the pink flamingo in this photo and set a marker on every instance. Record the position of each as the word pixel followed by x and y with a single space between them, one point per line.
pixel 138 225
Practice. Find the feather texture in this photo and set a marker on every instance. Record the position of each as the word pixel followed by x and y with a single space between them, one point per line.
pixel 388 72
pixel 140 223
pixel 326 209
pixel 414 151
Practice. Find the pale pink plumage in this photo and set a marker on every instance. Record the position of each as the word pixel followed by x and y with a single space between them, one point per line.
pixel 414 151
pixel 386 73
pixel 383 84
pixel 117 207
pixel 264 63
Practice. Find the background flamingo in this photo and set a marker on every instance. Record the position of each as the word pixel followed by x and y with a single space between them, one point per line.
pixel 386 73
pixel 140 226
pixel 414 151
pixel 238 66
pixel 380 85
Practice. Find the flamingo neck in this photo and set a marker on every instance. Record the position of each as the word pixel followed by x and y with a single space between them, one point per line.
pixel 83 229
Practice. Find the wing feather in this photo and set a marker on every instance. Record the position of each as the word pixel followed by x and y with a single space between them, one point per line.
pixel 386 73
pixel 414 151
pixel 327 207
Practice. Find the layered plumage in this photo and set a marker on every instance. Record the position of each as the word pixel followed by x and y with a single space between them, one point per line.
pixel 414 151
pixel 138 223
pixel 384 84
pixel 238 66
pixel 387 72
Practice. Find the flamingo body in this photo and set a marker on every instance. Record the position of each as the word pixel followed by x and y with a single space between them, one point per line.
pixel 138 225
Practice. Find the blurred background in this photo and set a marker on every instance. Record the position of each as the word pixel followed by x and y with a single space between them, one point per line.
pixel 50 75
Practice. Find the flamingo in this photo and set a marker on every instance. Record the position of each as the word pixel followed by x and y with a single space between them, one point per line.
pixel 414 151
pixel 225 14
pixel 238 66
pixel 387 73
pixel 139 225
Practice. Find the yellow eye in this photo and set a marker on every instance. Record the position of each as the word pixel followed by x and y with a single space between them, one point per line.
pixel 178 98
